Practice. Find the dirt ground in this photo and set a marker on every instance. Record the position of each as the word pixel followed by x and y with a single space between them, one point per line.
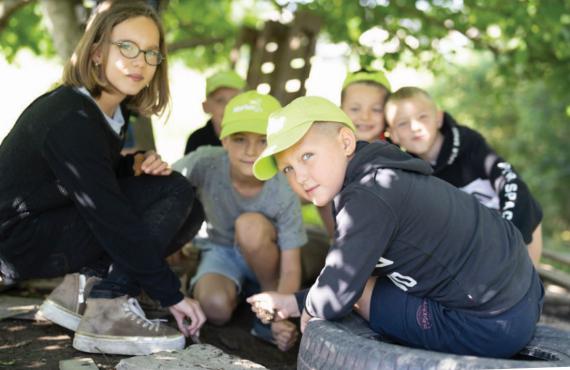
pixel 26 344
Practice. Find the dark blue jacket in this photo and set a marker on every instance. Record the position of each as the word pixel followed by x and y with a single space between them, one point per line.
pixel 429 238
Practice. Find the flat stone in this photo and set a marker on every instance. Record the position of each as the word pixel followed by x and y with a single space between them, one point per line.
pixel 195 357
pixel 14 306
pixel 84 363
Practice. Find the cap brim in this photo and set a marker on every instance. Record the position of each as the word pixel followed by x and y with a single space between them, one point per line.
pixel 255 126
pixel 265 166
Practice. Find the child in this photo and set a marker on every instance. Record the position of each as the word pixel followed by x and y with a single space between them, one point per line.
pixel 424 263
pixel 69 202
pixel 254 228
pixel 462 157
pixel 220 89
pixel 362 99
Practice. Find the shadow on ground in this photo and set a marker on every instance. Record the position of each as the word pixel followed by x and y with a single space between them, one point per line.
pixel 26 344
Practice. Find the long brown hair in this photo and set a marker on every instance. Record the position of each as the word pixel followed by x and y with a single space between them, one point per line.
pixel 80 70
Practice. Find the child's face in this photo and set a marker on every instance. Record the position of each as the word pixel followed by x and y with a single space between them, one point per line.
pixel 130 76
pixel 216 103
pixel 315 166
pixel 414 124
pixel 243 149
pixel 364 104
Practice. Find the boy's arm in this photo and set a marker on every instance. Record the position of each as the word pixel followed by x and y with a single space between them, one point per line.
pixel 290 271
pixel 516 203
pixel 365 226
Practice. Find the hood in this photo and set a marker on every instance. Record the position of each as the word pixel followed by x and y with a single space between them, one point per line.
pixel 372 156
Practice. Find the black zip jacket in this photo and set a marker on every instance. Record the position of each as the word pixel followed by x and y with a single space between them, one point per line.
pixel 467 162
pixel 428 237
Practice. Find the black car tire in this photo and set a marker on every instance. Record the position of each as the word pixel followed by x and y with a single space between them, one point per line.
pixel 350 344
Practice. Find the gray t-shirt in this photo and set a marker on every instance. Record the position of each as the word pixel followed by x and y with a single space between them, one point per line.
pixel 208 170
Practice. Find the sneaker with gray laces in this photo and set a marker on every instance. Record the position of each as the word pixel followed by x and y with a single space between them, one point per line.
pixel 66 303
pixel 119 326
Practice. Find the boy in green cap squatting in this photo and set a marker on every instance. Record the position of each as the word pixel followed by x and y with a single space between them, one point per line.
pixel 424 263
pixel 254 228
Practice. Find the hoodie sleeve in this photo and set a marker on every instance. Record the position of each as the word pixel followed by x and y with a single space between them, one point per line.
pixel 515 200
pixel 365 227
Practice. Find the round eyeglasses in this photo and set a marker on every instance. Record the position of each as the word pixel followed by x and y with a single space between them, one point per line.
pixel 130 50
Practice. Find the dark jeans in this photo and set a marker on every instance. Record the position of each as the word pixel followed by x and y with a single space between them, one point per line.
pixel 161 203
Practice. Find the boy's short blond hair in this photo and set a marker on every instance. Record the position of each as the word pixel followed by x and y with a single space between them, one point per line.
pixel 408 92
pixel 81 70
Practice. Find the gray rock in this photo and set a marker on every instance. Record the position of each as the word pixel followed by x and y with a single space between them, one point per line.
pixel 195 357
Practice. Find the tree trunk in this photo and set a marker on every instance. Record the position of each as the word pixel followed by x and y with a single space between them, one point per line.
pixel 63 24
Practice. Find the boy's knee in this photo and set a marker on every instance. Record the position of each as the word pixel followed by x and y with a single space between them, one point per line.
pixel 264 234
pixel 218 307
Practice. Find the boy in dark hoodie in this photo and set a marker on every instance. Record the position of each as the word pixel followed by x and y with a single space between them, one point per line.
pixel 424 263
pixel 462 157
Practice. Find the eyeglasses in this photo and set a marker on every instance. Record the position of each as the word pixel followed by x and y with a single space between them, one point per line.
pixel 130 50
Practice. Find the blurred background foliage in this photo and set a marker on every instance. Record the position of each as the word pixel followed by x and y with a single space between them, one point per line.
pixel 499 66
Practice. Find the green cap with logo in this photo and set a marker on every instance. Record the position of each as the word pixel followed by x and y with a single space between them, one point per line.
pixel 288 125
pixel 224 79
pixel 248 112
pixel 360 76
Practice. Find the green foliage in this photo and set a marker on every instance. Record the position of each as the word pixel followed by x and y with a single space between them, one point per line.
pixel 26 30
pixel 201 20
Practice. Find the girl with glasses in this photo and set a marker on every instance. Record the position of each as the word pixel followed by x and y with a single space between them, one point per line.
pixel 71 205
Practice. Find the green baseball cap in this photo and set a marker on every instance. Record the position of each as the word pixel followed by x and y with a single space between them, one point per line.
pixel 375 76
pixel 288 125
pixel 248 112
pixel 224 79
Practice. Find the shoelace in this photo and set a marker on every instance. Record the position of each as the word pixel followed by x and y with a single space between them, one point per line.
pixel 136 313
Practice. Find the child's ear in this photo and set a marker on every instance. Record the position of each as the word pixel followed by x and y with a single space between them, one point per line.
pixel 439 117
pixel 96 56
pixel 206 107
pixel 348 140
pixel 225 142
pixel 393 135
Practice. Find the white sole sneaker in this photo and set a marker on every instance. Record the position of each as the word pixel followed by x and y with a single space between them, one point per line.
pixel 60 315
pixel 131 346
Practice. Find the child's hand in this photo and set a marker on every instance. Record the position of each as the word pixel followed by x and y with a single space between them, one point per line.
pixel 305 318
pixel 285 334
pixel 150 163
pixel 188 308
pixel 273 306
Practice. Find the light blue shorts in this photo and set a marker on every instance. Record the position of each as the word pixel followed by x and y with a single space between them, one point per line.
pixel 222 260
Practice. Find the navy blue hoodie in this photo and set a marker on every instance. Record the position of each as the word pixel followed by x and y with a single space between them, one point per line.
pixel 429 238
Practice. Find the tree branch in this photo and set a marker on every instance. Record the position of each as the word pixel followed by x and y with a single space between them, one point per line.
pixel 7 8
pixel 192 43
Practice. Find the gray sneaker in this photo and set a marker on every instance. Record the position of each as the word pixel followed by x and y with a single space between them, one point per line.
pixel 119 326
pixel 66 303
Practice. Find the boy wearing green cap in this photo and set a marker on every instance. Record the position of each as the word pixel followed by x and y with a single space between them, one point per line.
pixel 362 98
pixel 220 88
pixel 424 263
pixel 462 157
pixel 254 228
